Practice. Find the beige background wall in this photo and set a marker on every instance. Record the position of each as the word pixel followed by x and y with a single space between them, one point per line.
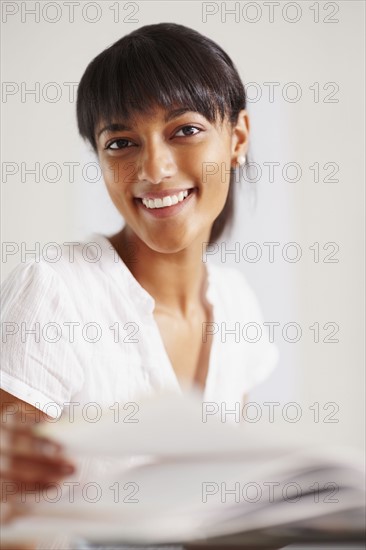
pixel 324 58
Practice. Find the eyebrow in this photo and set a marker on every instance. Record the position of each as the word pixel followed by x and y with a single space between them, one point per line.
pixel 119 127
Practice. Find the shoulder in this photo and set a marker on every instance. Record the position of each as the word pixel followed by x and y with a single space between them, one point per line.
pixel 28 274
pixel 51 278
pixel 224 274
pixel 73 258
pixel 68 264
pixel 33 290
pixel 232 288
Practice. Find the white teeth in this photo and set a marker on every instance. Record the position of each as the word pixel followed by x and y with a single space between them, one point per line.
pixel 166 201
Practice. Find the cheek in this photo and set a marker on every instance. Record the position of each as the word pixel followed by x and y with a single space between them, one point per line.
pixel 210 164
pixel 116 176
pixel 216 191
pixel 110 174
pixel 216 175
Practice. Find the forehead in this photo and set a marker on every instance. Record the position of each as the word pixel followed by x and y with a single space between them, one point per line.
pixel 165 114
pixel 136 118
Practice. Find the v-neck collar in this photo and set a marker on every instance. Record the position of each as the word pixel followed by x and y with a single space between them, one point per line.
pixel 113 264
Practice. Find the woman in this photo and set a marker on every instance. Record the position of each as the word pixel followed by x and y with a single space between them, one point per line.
pixel 164 110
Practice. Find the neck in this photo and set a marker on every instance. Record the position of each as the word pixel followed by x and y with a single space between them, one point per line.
pixel 175 281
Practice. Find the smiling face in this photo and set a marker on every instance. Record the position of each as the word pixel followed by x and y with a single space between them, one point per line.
pixel 168 174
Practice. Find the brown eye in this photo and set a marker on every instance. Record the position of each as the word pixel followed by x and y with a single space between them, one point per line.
pixel 120 144
pixel 189 127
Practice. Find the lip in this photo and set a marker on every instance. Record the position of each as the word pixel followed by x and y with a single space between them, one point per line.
pixel 168 211
pixel 163 193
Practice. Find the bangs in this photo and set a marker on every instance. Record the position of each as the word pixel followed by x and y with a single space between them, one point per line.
pixel 164 65
pixel 165 69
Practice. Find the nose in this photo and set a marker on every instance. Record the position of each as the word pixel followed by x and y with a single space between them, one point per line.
pixel 156 162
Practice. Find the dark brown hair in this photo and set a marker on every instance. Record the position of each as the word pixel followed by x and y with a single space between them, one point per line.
pixel 162 64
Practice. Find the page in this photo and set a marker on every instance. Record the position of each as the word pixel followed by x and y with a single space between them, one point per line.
pixel 169 473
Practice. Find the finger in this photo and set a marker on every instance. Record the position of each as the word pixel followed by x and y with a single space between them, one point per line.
pixel 23 469
pixel 28 444
pixel 17 419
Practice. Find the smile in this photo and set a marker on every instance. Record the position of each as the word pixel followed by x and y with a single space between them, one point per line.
pixel 167 205
pixel 168 200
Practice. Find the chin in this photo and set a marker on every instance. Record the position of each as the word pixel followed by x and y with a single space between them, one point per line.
pixel 168 243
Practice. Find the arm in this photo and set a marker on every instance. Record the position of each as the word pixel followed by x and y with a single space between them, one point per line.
pixel 38 372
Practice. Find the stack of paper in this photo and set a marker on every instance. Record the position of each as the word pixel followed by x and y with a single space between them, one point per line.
pixel 168 472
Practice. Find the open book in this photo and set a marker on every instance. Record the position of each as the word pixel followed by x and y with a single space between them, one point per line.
pixel 166 469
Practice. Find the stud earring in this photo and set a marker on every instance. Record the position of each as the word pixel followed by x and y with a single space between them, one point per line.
pixel 241 160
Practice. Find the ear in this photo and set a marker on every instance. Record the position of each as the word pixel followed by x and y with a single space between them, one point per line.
pixel 240 137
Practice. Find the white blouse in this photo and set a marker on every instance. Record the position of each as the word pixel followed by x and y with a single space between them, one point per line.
pixel 78 327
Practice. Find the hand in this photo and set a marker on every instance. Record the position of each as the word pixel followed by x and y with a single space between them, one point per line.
pixel 28 461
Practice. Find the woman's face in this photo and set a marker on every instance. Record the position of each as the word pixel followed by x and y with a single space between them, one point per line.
pixel 157 158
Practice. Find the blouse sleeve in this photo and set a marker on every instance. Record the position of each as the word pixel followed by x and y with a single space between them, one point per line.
pixel 39 360
pixel 262 354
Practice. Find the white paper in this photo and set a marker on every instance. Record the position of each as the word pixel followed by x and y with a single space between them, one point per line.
pixel 170 468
